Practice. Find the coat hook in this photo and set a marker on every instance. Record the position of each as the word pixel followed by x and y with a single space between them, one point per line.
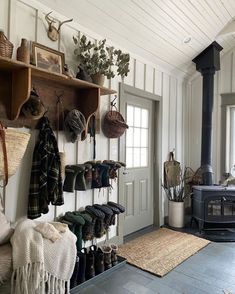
pixel 112 102
pixel 59 96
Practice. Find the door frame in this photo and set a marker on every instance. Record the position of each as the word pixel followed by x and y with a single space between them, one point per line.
pixel 157 155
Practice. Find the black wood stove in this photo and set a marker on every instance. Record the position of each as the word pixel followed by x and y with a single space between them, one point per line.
pixel 212 206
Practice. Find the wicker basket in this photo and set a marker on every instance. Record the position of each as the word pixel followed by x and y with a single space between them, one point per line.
pixel 6 47
pixel 16 143
pixel 114 124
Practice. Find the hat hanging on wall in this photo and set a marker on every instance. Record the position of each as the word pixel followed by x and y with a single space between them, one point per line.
pixel 74 124
pixel 33 108
pixel 113 125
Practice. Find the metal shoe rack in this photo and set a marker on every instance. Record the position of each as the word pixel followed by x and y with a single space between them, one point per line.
pixel 104 275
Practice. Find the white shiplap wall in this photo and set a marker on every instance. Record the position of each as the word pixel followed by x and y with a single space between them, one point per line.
pixel 26 19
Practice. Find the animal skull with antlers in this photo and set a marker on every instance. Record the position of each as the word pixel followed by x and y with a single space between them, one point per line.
pixel 53 32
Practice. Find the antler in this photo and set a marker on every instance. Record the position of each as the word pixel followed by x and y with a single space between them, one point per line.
pixel 69 20
pixel 48 19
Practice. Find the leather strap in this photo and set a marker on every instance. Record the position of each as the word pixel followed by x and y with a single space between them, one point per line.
pixel 4 150
pixel 171 156
pixel 59 110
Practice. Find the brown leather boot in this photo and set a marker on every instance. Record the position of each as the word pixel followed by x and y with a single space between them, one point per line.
pixel 114 254
pixel 107 256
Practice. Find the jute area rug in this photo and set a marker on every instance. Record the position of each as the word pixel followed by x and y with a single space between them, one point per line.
pixel 160 251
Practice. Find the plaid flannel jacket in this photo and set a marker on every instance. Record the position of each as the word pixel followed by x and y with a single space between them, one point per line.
pixel 46 180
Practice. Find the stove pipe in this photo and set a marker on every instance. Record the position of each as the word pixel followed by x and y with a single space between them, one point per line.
pixel 207 63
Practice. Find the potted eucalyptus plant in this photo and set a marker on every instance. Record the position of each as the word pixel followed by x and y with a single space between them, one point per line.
pixel 176 195
pixel 96 60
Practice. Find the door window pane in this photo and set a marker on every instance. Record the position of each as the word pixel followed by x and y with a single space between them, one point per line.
pixel 129 137
pixel 136 157
pixel 130 115
pixel 137 137
pixel 129 157
pixel 144 157
pixel 232 138
pixel 144 138
pixel 144 118
pixel 137 117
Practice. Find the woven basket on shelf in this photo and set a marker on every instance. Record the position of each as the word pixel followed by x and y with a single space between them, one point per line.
pixel 114 124
pixel 16 143
pixel 6 47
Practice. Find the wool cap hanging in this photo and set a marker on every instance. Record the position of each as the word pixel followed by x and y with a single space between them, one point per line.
pixel 74 124
pixel 33 108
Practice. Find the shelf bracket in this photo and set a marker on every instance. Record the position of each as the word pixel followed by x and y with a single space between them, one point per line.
pixel 21 86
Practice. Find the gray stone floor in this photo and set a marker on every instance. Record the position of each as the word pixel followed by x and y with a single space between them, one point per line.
pixel 211 270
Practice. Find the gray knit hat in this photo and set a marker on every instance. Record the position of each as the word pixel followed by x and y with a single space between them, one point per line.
pixel 74 124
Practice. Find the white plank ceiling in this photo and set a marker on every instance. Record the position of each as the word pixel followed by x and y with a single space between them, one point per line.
pixel 155 29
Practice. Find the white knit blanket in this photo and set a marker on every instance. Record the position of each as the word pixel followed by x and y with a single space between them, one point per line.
pixel 39 265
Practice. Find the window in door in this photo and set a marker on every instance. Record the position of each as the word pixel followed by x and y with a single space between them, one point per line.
pixel 137 137
pixel 227 132
pixel 231 137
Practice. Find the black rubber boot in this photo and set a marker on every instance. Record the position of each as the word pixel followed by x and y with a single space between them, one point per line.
pixel 71 172
pixel 115 211
pixel 98 215
pixel 80 183
pixel 104 169
pixel 117 205
pixel 88 175
pixel 82 266
pixel 90 264
pixel 108 214
pixel 74 278
pixel 99 261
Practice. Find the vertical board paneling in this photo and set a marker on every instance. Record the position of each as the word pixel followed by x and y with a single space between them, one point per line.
pixel 149 83
pixel 67 46
pixel 129 80
pixel 158 82
pixel 172 114
pixel 165 129
pixel 233 70
pixel 4 6
pixel 215 129
pixel 26 22
pixel 195 123
pixel 179 123
pixel 226 73
pixel 139 75
pixel 42 27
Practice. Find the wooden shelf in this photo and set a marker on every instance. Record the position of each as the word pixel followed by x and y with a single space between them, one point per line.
pixel 17 80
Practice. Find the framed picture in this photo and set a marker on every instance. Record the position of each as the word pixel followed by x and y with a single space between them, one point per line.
pixel 47 58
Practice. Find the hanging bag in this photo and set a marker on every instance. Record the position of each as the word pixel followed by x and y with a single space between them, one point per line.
pixel 172 172
pixel 13 144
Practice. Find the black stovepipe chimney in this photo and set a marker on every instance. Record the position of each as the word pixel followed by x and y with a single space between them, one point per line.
pixel 207 62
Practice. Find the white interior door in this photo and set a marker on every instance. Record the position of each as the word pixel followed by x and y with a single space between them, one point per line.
pixel 136 182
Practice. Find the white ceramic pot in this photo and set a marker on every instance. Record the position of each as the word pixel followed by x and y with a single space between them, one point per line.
pixel 176 214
